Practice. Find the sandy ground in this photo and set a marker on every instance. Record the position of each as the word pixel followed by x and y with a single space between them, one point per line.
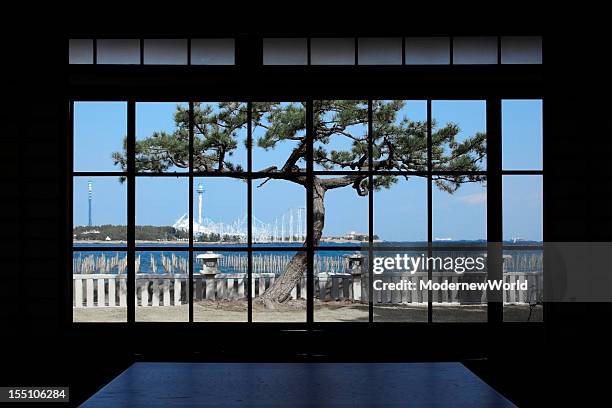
pixel 295 311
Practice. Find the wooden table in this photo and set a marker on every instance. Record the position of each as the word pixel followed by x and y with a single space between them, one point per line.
pixel 297 385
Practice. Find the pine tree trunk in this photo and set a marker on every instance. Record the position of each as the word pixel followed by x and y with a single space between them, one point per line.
pixel 280 291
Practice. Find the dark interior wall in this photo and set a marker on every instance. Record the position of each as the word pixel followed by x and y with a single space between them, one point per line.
pixel 36 344
pixel 31 202
pixel 577 209
pixel 32 191
pixel 44 350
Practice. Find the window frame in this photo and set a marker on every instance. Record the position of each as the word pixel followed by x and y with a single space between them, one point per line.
pixel 494 173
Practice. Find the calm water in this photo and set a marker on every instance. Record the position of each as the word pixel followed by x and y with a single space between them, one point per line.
pixel 235 261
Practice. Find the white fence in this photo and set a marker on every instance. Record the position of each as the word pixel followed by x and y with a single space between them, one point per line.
pixel 110 290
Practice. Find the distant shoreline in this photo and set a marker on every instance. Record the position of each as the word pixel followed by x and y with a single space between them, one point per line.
pixel 323 241
pixel 101 241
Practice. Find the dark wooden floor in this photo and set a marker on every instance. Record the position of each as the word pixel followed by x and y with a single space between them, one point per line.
pixel 297 385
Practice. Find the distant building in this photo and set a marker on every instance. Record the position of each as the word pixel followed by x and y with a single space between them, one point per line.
pixel 355 236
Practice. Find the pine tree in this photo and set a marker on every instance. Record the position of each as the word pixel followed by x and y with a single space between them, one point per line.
pixel 398 143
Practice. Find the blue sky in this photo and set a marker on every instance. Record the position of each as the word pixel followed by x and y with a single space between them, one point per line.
pixel 522 128
pixel 400 213
pixel 265 158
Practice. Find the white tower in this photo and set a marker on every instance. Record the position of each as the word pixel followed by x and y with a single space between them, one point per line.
pixel 89 197
pixel 200 192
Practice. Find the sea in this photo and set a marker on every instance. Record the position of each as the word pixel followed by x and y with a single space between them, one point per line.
pixel 269 254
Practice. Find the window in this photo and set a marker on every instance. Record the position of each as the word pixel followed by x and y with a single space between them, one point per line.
pixel 161 286
pixel 521 50
pixel 427 51
pixel 80 51
pixel 100 210
pixel 99 131
pixel 216 51
pixel 523 232
pixel 285 51
pixel 522 135
pixel 220 291
pixel 165 52
pixel 162 137
pixel 219 212
pixel 115 51
pixel 340 135
pixel 272 148
pixel 247 212
pixel 99 289
pixel 311 51
pixel 99 217
pixel 332 51
pixel 151 51
pixel 475 50
pixel 459 206
pixel 380 51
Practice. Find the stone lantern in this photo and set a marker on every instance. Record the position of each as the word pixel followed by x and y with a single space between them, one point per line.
pixel 355 263
pixel 210 269
pixel 355 268
pixel 210 263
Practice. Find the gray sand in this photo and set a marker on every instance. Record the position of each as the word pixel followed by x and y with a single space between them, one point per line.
pixel 295 311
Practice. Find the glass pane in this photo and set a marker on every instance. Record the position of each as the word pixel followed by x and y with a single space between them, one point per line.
pixel 400 210
pixel 220 211
pixel 113 51
pixel 332 51
pixel 397 292
pixel 212 51
pixel 99 211
pixel 162 137
pixel 522 134
pixel 165 52
pixel 279 212
pixel 340 286
pixel 522 208
pixel 99 290
pixel 524 269
pixel 344 211
pixel 275 274
pixel 475 50
pixel 400 135
pixel 279 136
pixel 380 51
pixel 100 129
pixel 220 286
pixel 340 135
pixel 80 51
pixel 285 51
pixel 220 130
pixel 162 208
pixel 459 216
pixel 427 50
pixel 521 50
pixel 162 281
pixel 459 141
pixel 456 286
